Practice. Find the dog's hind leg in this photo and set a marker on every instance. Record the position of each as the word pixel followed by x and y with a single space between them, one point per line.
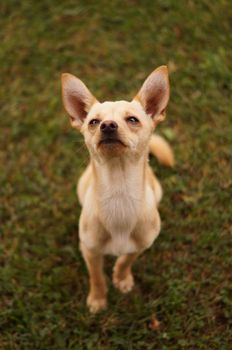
pixel 83 184
pixel 96 300
pixel 158 190
pixel 122 274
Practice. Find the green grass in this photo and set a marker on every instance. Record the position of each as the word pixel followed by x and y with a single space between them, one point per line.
pixel 185 279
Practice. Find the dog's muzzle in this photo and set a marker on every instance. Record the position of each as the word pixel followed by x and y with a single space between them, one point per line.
pixel 109 133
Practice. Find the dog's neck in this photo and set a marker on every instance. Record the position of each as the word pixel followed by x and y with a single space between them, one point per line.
pixel 119 186
pixel 119 175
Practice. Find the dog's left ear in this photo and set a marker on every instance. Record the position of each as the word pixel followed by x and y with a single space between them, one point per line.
pixel 154 94
pixel 77 99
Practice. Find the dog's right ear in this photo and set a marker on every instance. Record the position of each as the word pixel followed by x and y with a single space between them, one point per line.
pixel 77 99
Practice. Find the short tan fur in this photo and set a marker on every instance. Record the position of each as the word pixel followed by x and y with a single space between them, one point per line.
pixel 118 191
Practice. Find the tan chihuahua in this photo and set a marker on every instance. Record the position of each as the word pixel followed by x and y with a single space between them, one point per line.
pixel 118 190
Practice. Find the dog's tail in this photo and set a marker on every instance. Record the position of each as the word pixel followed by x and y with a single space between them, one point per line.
pixel 161 149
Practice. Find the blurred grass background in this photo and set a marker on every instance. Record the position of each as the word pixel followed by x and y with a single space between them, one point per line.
pixel 185 279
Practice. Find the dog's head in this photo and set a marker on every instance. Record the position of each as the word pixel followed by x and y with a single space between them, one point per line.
pixel 113 129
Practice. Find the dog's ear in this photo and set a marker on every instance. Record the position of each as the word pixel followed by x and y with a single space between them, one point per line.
pixel 77 99
pixel 154 94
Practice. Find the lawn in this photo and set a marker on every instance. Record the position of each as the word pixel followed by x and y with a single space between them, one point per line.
pixel 185 280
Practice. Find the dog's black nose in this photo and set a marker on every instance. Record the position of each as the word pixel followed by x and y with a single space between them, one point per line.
pixel 108 127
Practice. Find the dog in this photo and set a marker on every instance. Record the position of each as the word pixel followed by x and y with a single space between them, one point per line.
pixel 118 191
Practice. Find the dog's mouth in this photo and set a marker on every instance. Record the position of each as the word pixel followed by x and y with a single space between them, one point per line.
pixel 110 141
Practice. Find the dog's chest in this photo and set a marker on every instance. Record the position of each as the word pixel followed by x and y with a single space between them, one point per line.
pixel 119 213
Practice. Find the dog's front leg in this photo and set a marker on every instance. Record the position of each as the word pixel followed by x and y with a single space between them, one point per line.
pixel 96 300
pixel 122 274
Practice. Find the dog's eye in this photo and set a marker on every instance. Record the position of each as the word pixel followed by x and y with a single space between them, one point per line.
pixel 94 122
pixel 132 120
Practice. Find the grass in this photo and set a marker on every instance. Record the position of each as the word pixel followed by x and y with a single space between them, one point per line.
pixel 185 279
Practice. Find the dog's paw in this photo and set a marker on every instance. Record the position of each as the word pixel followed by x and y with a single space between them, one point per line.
pixel 96 304
pixel 125 285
